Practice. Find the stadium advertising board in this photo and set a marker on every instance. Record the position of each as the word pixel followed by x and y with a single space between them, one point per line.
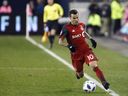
pixel 16 24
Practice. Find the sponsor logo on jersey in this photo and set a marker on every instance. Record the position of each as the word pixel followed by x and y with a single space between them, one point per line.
pixel 78 35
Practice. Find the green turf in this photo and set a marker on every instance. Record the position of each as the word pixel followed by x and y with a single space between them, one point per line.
pixel 26 70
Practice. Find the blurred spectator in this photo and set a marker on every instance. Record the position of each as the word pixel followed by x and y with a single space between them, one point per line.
pixel 94 19
pixel 124 29
pixel 30 8
pixel 5 8
pixel 125 17
pixel 116 15
pixel 94 24
pixel 94 7
pixel 40 7
pixel 39 10
pixel 52 12
pixel 106 17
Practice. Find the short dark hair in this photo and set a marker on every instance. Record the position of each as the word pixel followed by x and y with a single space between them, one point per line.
pixel 73 11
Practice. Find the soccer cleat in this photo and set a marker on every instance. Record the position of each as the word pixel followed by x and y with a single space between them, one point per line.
pixel 77 76
pixel 106 85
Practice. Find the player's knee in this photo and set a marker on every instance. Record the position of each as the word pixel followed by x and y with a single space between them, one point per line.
pixel 93 64
pixel 53 31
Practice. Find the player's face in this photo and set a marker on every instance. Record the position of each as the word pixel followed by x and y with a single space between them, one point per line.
pixel 5 2
pixel 50 2
pixel 74 19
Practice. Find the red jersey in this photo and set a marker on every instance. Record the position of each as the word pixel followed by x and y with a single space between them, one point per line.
pixel 75 35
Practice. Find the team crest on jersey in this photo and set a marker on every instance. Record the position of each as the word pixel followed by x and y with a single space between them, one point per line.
pixel 73 30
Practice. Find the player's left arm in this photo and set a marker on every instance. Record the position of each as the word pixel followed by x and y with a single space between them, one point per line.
pixel 94 43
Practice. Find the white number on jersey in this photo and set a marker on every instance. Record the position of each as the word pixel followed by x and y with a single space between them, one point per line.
pixel 90 56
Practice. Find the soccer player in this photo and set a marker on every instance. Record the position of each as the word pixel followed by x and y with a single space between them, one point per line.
pixel 52 12
pixel 81 53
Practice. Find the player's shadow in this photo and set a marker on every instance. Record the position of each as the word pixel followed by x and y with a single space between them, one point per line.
pixel 76 92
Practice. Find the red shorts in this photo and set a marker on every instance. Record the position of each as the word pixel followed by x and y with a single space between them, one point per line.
pixel 79 58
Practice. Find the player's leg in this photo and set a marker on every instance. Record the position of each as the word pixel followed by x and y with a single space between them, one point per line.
pixel 52 32
pixel 54 27
pixel 92 61
pixel 99 74
pixel 52 37
pixel 78 66
pixel 49 25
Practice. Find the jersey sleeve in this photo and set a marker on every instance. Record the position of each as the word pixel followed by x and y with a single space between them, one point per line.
pixel 63 32
pixel 84 26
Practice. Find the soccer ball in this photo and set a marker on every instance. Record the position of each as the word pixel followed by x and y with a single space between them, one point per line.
pixel 89 86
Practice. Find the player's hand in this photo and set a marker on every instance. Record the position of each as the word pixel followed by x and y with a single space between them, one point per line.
pixel 71 48
pixel 94 44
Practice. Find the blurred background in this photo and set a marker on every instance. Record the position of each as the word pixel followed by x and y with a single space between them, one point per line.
pixel 26 70
pixel 13 18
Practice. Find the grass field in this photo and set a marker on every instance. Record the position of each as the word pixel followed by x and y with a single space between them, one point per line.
pixel 26 70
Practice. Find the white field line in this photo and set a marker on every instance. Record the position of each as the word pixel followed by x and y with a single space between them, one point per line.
pixel 109 91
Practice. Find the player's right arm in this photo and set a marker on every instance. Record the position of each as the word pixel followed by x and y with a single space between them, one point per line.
pixel 62 37
pixel 62 41
pixel 94 43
